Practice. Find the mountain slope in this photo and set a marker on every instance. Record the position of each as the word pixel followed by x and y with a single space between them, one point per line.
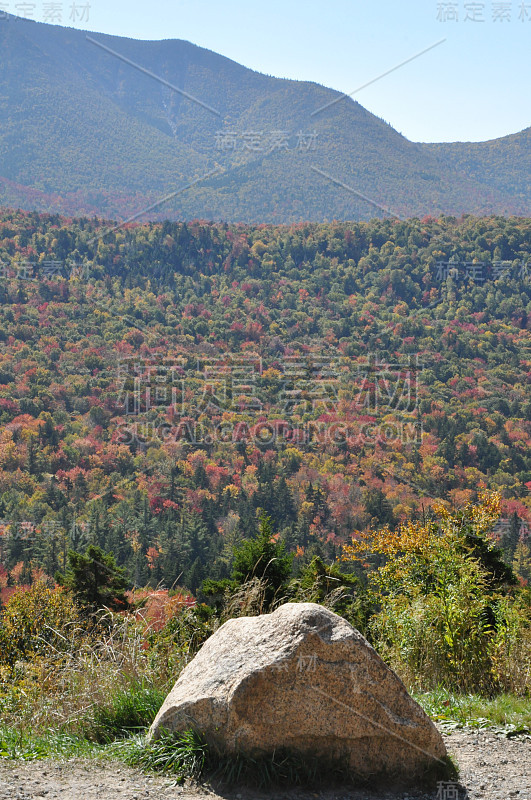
pixel 84 131
pixel 504 163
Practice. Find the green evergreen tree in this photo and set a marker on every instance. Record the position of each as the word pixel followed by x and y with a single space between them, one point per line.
pixel 260 557
pixel 95 580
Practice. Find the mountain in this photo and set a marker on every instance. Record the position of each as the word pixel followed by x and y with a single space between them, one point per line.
pixel 502 163
pixel 86 128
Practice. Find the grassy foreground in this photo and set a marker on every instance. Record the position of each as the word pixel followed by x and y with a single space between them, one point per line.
pixel 505 713
pixel 116 731
pixel 187 757
pixel 439 604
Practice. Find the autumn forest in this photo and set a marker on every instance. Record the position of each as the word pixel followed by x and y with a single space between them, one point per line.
pixel 162 385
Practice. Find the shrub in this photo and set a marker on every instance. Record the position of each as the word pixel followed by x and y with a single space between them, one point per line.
pixel 260 562
pixel 340 592
pixel 95 580
pixel 510 647
pixel 447 613
pixel 176 643
pixel 34 622
pixel 127 710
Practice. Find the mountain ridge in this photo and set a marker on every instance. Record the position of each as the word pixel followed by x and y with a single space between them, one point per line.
pixel 62 96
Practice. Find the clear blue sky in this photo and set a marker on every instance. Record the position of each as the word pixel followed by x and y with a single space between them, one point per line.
pixel 474 86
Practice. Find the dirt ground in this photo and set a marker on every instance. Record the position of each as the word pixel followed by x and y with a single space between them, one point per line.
pixel 492 766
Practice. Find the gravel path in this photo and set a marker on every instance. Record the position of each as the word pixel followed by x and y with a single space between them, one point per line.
pixel 492 768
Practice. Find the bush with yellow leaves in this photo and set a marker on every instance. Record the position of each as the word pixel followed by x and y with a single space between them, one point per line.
pixel 34 621
pixel 449 612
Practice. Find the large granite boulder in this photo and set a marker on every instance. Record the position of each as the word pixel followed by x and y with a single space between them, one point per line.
pixel 303 680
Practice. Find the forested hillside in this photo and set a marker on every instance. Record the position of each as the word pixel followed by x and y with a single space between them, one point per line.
pixel 504 163
pixel 162 383
pixel 170 113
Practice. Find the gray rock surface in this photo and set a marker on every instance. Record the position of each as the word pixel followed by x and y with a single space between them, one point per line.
pixel 304 680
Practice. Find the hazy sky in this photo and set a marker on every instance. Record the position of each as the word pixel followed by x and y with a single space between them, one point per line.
pixel 474 86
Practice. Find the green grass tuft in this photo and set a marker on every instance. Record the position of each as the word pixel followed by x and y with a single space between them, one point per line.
pixel 129 710
pixel 507 713
pixel 279 769
pixel 183 755
pixel 24 746
pixel 187 756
